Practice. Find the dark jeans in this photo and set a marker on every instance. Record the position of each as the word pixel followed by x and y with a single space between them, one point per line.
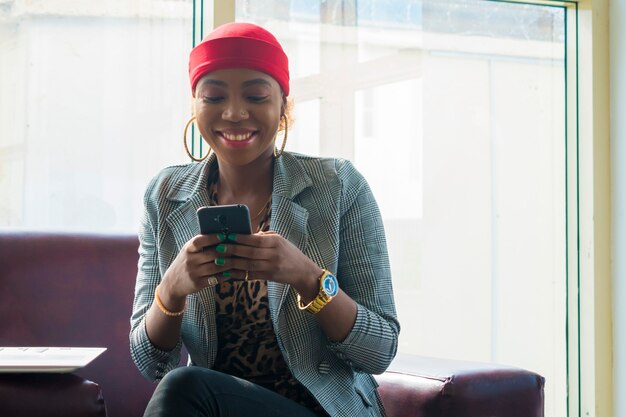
pixel 192 391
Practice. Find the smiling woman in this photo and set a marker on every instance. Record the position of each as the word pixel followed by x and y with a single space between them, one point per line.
pixel 292 320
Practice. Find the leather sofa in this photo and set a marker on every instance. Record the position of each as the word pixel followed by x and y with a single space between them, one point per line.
pixel 77 290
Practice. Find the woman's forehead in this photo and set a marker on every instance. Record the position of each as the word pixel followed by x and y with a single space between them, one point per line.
pixel 235 77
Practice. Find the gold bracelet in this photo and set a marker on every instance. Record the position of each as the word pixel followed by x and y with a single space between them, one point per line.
pixel 164 309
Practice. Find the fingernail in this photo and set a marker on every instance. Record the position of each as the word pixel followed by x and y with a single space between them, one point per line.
pixel 221 248
pixel 220 261
pixel 221 236
pixel 232 237
pixel 226 274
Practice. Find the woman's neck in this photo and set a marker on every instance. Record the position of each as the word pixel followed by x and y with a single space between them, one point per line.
pixel 247 184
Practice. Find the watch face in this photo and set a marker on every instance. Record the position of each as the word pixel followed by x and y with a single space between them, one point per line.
pixel 330 285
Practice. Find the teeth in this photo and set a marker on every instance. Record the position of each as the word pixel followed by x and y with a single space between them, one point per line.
pixel 241 137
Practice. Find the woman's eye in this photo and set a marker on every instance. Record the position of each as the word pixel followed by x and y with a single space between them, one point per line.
pixel 212 99
pixel 257 99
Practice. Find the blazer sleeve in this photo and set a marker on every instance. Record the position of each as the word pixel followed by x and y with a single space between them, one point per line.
pixel 152 362
pixel 365 275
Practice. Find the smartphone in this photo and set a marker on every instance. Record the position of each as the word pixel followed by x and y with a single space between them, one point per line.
pixel 234 218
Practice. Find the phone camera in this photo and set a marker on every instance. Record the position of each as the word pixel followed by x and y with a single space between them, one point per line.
pixel 221 219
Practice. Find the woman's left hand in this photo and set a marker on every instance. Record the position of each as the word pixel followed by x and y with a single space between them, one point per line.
pixel 268 255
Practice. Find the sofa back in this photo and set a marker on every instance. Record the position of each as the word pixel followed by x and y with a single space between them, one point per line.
pixel 75 290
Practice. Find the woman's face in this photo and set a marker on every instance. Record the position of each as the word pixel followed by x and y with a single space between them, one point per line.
pixel 238 112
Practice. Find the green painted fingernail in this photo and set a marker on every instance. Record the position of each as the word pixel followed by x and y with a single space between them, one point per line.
pixel 221 236
pixel 226 274
pixel 221 248
pixel 232 236
pixel 220 261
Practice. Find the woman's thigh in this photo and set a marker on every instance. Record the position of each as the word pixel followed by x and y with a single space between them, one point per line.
pixel 193 391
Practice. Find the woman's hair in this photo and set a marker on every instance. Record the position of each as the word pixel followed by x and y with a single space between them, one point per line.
pixel 288 112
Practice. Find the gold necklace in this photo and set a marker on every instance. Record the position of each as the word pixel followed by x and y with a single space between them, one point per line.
pixel 214 194
pixel 262 208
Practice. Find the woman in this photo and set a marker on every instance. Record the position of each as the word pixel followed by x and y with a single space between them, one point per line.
pixel 267 329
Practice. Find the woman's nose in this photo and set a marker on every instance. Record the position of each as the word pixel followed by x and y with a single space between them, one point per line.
pixel 235 112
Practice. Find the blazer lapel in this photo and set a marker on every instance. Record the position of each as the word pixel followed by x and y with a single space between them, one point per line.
pixel 193 193
pixel 183 222
pixel 289 219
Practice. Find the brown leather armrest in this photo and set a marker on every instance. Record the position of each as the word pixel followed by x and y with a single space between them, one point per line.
pixel 416 386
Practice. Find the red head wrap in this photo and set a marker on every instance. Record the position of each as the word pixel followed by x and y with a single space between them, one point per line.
pixel 239 45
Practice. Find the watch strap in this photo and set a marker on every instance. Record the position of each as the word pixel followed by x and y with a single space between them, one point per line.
pixel 320 300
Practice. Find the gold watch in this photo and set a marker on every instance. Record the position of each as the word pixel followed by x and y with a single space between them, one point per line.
pixel 329 287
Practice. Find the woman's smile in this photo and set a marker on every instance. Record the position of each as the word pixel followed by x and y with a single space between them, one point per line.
pixel 237 138
pixel 236 135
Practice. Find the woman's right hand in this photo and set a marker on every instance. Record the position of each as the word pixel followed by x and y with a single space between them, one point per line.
pixel 192 268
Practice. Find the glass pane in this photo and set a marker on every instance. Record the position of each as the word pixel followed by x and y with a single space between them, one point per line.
pixel 296 23
pixel 304 135
pixel 94 99
pixel 454 110
pixel 377 135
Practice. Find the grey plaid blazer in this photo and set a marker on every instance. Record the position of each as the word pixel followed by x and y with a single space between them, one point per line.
pixel 325 207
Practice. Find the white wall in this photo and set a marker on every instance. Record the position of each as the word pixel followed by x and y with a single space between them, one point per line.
pixel 618 162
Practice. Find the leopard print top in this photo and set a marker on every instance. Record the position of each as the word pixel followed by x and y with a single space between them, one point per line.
pixel 247 345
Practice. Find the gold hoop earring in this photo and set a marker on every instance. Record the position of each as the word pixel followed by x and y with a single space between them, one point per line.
pixel 191 120
pixel 282 147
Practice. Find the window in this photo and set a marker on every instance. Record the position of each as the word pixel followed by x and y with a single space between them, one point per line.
pixel 455 111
